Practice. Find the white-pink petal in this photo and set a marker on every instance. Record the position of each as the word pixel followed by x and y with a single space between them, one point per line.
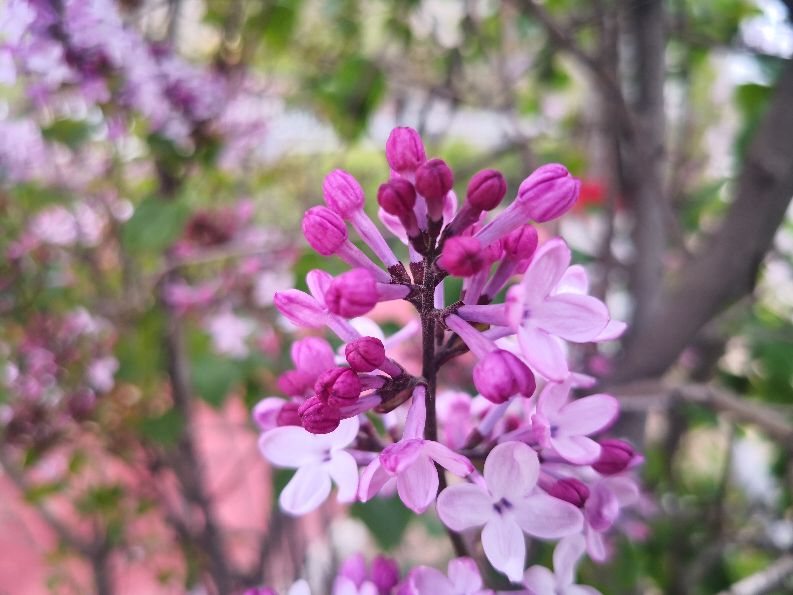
pixel 574 280
pixel 429 581
pixel 543 352
pixel 463 506
pixel 588 415
pixel 291 447
pixel 566 555
pixel 613 330
pixel 579 450
pixel 572 317
pixel 373 479
pixel 504 546
pixel 540 581
pixel 343 471
pixel 308 488
pixel 511 471
pixel 417 485
pixel 447 458
pixel 552 398
pixel 549 263
pixel 547 517
pixel 342 436
pixel 464 575
pixel 318 282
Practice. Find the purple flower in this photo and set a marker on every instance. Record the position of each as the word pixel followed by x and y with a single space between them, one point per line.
pixel 462 578
pixel 508 505
pixel 541 581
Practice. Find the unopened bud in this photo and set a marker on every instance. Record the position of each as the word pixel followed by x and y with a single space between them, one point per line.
pixel 615 456
pixel 521 243
pixel 324 230
pixel 434 179
pixel 500 375
pixel 352 294
pixel 338 387
pixel 486 189
pixel 365 354
pixel 343 194
pixel 462 256
pixel 288 415
pixel 548 192
pixel 570 490
pixel 404 150
pixel 397 197
pixel 318 417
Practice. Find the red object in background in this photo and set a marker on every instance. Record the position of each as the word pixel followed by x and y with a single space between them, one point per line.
pixel 593 196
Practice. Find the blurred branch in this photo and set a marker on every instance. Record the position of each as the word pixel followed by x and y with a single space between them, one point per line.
pixel 762 582
pixel 725 269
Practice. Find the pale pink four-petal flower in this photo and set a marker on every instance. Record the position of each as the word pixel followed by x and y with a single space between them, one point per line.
pixel 541 581
pixel 564 425
pixel 318 458
pixel 509 505
pixel 462 578
pixel 411 462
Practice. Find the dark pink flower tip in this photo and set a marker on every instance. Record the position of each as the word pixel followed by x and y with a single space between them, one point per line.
pixel 352 294
pixel 548 192
pixel 338 387
pixel 404 150
pixel 397 197
pixel 615 456
pixel 324 230
pixel 318 417
pixel 384 574
pixel 486 189
pixel 462 256
pixel 434 179
pixel 342 192
pixel 521 243
pixel 293 383
pixel 288 415
pixel 570 490
pixel 499 375
pixel 365 354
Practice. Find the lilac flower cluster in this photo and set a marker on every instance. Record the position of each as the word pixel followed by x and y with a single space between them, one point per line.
pixel 523 452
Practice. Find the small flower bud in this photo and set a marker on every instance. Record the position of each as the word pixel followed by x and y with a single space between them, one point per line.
pixel 548 192
pixel 385 574
pixel 499 375
pixel 312 356
pixel 343 194
pixel 338 387
pixel 397 197
pixel 404 150
pixel 365 354
pixel 570 490
pixel 462 256
pixel 615 456
pixel 324 230
pixel 521 243
pixel 352 294
pixel 293 383
pixel 288 415
pixel 265 412
pixel 486 189
pixel 299 308
pixel 318 417
pixel 434 179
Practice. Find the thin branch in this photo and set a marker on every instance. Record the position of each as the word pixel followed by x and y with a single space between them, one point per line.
pixel 764 581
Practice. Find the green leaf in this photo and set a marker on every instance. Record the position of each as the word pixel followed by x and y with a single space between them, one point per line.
pixel 386 519
pixel 154 226
pixel 164 429
pixel 213 377
pixel 69 132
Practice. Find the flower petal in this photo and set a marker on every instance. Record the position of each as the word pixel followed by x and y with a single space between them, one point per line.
pixel 342 436
pixel 464 575
pixel 399 456
pixel 463 506
pixel 373 478
pixel 579 450
pixel 552 398
pixel 344 472
pixel 539 580
pixel 300 308
pixel 595 546
pixel 574 280
pixel 547 517
pixel 602 508
pixel 318 282
pixel 424 579
pixel 504 546
pixel 307 489
pixel 624 489
pixel 565 558
pixel 549 263
pixel 511 470
pixel 571 316
pixel 613 330
pixel 543 352
pixel 447 458
pixel 417 485
pixel 588 415
pixel 290 446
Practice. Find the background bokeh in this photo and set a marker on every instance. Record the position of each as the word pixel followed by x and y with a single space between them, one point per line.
pixel 156 157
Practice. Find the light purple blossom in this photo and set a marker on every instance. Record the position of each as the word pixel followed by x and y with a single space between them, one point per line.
pixel 462 578
pixel 541 581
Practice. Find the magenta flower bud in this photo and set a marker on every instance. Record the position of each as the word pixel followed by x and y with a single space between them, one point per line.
pixel 343 194
pixel 288 415
pixel 397 197
pixel 300 308
pixel 615 456
pixel 486 189
pixel 384 574
pixel 549 192
pixel 434 179
pixel 462 256
pixel 404 150
pixel 365 354
pixel 318 417
pixel 499 375
pixel 570 490
pixel 325 231
pixel 521 243
pixel 352 294
pixel 338 387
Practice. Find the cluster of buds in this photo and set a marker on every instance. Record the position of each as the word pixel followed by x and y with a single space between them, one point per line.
pixel 528 452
